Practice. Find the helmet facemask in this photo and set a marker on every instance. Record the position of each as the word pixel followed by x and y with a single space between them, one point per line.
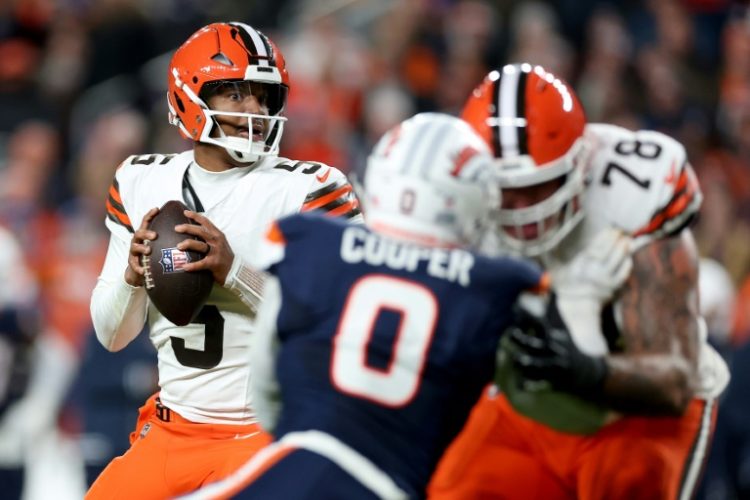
pixel 554 216
pixel 263 131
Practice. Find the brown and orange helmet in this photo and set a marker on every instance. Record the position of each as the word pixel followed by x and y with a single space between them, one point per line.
pixel 533 123
pixel 221 53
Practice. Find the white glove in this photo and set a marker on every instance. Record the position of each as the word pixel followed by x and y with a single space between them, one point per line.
pixel 587 282
pixel 598 271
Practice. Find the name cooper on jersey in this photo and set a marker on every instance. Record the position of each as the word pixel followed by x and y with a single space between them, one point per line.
pixel 358 245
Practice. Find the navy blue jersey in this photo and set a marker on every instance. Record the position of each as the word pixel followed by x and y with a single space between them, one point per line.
pixel 384 344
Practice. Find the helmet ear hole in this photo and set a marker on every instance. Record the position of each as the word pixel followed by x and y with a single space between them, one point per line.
pixel 179 103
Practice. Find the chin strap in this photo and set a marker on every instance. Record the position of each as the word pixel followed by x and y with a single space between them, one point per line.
pixel 246 283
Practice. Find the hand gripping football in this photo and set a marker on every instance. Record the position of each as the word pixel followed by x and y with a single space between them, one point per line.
pixel 177 294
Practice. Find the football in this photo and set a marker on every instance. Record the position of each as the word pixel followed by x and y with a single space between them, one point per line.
pixel 177 294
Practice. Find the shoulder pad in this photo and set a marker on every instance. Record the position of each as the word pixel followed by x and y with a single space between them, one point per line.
pixel 127 171
pixel 640 182
pixel 115 209
pixel 147 159
pixel 327 188
pixel 331 193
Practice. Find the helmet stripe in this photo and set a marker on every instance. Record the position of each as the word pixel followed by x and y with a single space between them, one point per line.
pixel 253 43
pixel 430 144
pixel 439 137
pixel 267 45
pixel 495 130
pixel 507 113
pixel 523 147
pixel 419 150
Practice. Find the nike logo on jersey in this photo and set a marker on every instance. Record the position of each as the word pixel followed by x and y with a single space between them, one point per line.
pixel 323 177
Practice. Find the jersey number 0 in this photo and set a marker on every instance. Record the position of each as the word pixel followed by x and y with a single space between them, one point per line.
pixel 417 308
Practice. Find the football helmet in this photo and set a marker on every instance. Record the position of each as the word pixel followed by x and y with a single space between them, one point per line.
pixel 533 123
pixel 431 180
pixel 236 54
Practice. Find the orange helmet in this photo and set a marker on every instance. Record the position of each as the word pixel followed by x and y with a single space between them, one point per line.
pixel 227 52
pixel 533 123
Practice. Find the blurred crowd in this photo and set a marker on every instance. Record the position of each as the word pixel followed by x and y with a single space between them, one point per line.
pixel 83 82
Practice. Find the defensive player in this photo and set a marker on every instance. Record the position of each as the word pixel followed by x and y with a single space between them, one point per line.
pixel 627 410
pixel 364 379
pixel 227 89
pixel 27 408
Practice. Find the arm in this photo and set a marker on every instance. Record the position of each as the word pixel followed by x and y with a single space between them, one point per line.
pixel 659 310
pixel 266 393
pixel 52 361
pixel 118 309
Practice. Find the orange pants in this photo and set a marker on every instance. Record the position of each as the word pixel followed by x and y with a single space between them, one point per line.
pixel 502 455
pixel 170 458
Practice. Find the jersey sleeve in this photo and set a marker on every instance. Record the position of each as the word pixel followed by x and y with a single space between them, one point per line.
pixel 682 199
pixel 332 194
pixel 118 219
pixel 271 249
pixel 133 183
pixel 642 183
pixel 265 389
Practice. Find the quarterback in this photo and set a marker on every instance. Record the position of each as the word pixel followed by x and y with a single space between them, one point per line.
pixel 227 87
pixel 625 408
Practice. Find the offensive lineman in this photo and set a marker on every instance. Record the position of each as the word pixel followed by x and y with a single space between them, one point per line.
pixel 627 409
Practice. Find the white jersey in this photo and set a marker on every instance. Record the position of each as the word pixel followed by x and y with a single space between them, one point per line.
pixel 192 381
pixel 640 182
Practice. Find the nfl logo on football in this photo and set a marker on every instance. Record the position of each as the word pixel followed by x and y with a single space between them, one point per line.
pixel 173 260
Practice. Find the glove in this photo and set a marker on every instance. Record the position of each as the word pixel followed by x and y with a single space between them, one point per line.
pixel 542 350
pixel 596 272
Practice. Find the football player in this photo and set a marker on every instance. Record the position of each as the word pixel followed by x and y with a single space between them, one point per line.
pixel 227 87
pixel 364 379
pixel 35 370
pixel 625 407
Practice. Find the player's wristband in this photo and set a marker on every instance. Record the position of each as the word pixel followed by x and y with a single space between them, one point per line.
pixel 246 283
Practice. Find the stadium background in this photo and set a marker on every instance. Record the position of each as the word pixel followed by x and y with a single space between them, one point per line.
pixel 82 86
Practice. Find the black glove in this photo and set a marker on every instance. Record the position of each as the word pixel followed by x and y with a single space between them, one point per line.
pixel 542 349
